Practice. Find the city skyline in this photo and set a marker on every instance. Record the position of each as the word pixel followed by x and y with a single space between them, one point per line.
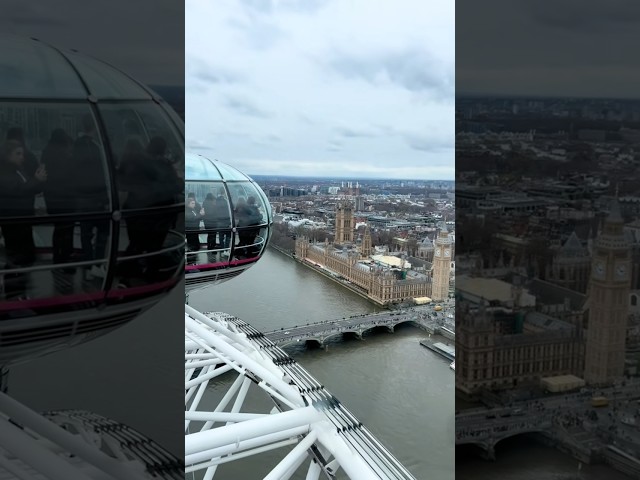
pixel 286 87
pixel 348 178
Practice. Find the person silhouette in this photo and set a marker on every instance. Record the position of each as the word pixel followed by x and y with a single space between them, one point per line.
pixel 17 196
pixel 30 164
pixel 192 224
pixel 58 192
pixel 92 194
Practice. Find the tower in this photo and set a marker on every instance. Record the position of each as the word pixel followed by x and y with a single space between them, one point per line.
pixel 344 223
pixel 570 266
pixel 366 243
pixel 441 266
pixel 610 283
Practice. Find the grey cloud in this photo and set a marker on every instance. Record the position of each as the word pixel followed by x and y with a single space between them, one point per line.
pixel 19 13
pixel 266 141
pixel 245 107
pixel 115 32
pixel 260 34
pixel 304 6
pixel 370 131
pixel 426 144
pixel 297 6
pixel 256 26
pixel 262 6
pixel 356 132
pixel 412 69
pixel 197 147
pixel 194 88
pixel 210 74
pixel 307 120
pixel 335 146
pixel 588 16
pixel 576 48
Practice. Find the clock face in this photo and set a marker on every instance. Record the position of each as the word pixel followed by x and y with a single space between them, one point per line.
pixel 437 252
pixel 621 271
pixel 447 253
pixel 599 269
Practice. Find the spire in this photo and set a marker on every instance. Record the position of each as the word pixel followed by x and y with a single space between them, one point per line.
pixel 614 211
pixel 573 244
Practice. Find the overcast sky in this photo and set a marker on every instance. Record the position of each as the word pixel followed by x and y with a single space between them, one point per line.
pixel 350 88
pixel 144 38
pixel 561 48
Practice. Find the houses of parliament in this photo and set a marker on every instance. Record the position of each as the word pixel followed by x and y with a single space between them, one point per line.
pixel 519 330
pixel 386 280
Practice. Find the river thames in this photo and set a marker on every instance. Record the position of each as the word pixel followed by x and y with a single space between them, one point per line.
pixel 400 390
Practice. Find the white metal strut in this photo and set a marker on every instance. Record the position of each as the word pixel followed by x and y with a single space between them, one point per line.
pixel 304 414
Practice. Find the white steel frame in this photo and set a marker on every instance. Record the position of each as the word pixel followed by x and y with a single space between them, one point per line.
pixel 75 444
pixel 305 414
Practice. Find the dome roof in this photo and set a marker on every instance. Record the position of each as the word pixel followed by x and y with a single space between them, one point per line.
pixel 200 168
pixel 35 69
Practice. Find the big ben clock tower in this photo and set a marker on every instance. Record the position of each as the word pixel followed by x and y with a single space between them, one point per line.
pixel 609 302
pixel 441 266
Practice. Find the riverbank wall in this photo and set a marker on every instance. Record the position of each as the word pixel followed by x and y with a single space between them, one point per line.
pixel 348 286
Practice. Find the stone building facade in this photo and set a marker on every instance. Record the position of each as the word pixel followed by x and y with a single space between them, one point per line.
pixel 498 348
pixel 383 287
pixel 344 226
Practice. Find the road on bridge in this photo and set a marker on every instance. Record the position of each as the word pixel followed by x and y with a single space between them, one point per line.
pixel 571 409
pixel 357 322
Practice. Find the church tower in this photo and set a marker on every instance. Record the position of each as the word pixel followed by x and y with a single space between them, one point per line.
pixel 344 223
pixel 610 283
pixel 366 243
pixel 441 266
pixel 571 265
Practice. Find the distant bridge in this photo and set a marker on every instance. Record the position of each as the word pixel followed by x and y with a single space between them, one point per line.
pixel 492 426
pixel 486 427
pixel 320 332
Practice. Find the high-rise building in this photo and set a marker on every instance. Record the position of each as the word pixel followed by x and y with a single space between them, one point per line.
pixel 344 223
pixel 608 302
pixel 441 266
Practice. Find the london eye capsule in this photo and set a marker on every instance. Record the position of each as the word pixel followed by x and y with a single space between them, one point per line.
pixel 91 198
pixel 227 222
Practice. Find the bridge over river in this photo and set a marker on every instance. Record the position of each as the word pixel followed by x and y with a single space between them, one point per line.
pixel 357 325
pixel 561 418
pixel 487 429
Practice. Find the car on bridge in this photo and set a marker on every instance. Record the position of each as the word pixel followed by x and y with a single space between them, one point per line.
pixel 599 402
